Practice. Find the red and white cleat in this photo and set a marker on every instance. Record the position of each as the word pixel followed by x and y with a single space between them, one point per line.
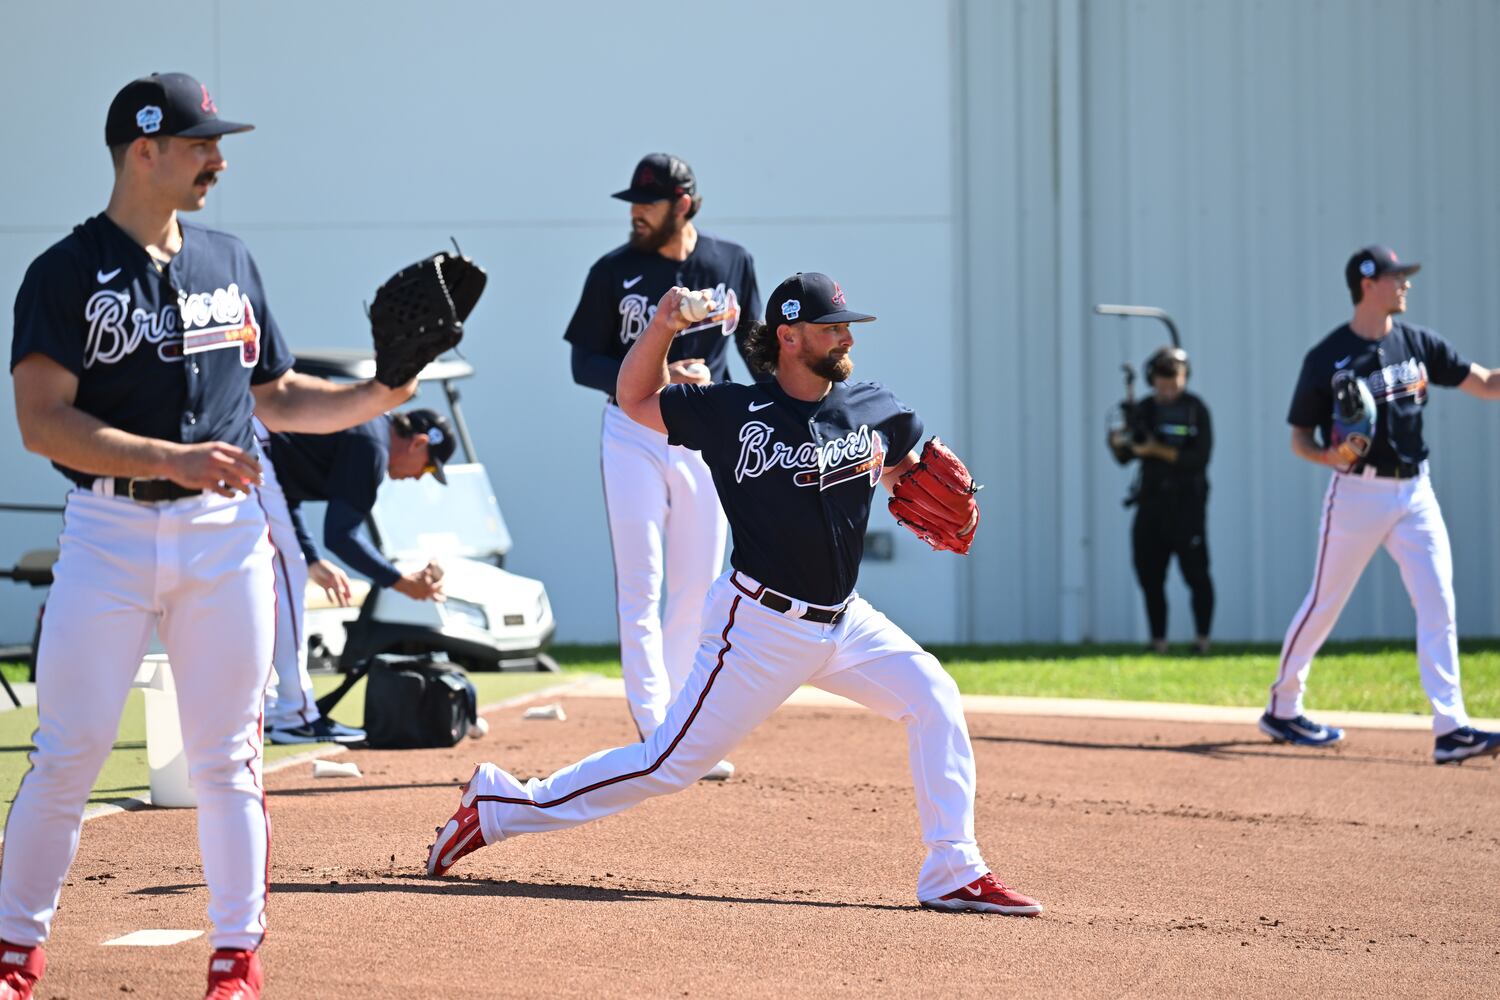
pixel 986 894
pixel 20 968
pixel 461 834
pixel 233 975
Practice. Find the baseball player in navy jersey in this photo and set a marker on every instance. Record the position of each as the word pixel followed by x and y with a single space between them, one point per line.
pixel 345 470
pixel 1384 499
pixel 796 461
pixel 664 520
pixel 142 345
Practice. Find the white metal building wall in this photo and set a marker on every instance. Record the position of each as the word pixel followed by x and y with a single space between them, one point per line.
pixel 977 172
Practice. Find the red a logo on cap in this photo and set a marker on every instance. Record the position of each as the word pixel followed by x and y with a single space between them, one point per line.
pixel 208 102
pixel 838 294
pixel 646 177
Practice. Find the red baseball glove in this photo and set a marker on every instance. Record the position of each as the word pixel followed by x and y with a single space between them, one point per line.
pixel 935 499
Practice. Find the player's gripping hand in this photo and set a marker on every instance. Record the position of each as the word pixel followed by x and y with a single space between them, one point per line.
pixel 669 311
pixel 420 585
pixel 213 466
pixel 334 581
pixel 690 370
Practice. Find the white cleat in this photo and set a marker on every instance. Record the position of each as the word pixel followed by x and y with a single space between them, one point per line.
pixel 722 771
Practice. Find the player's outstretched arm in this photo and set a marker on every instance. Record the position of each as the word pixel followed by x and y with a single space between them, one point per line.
pixel 1482 382
pixel 51 426
pixel 644 372
pixel 308 405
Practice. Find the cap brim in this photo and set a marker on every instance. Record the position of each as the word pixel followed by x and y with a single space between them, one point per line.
pixel 843 316
pixel 215 127
pixel 636 196
pixel 1403 269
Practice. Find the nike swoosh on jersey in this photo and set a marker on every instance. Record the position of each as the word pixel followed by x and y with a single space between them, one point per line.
pixel 1343 361
pixel 760 406
pixel 106 276
pixel 632 282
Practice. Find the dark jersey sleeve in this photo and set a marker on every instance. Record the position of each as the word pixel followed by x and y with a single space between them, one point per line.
pixel 342 534
pixel 596 371
pixel 1445 366
pixel 905 431
pixel 691 416
pixel 48 306
pixel 1312 400
pixel 275 357
pixel 750 311
pixel 1194 453
pixel 304 537
pixel 592 324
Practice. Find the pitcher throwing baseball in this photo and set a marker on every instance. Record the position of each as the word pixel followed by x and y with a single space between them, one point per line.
pixel 796 461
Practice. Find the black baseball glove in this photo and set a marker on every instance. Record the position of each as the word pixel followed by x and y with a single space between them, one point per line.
pixel 419 313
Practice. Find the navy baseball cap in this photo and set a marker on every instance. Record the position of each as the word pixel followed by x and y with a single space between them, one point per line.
pixel 441 441
pixel 658 177
pixel 1374 261
pixel 810 297
pixel 165 104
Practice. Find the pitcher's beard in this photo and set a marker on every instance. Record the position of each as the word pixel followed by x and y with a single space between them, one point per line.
pixel 834 369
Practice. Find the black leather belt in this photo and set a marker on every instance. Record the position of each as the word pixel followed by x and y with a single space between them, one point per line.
pixel 781 604
pixel 1397 470
pixel 152 490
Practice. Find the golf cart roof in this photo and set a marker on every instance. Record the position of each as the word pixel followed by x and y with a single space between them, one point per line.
pixel 343 363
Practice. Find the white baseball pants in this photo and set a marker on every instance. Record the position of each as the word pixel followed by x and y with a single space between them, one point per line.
pixel 198 570
pixel 290 699
pixel 750 659
pixel 664 519
pixel 1360 515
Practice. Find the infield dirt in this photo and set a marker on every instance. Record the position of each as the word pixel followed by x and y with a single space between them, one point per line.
pixel 1174 859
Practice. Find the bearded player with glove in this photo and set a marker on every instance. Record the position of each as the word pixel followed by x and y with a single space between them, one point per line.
pixel 796 461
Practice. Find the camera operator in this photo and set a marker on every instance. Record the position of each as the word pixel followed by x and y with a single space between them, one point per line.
pixel 1170 433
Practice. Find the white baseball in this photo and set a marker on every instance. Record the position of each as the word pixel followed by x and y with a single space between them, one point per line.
pixel 696 370
pixel 695 306
pixel 478 728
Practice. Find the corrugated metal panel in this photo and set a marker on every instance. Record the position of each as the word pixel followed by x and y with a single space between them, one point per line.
pixel 1236 155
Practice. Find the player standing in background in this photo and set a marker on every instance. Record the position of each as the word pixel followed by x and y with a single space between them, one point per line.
pixel 345 470
pixel 1383 499
pixel 796 460
pixel 1172 435
pixel 142 345
pixel 664 519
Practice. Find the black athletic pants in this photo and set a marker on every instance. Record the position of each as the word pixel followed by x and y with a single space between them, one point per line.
pixel 1167 526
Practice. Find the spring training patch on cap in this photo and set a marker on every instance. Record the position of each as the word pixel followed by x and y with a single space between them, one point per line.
pixel 148 119
pixel 1367 268
pixel 791 308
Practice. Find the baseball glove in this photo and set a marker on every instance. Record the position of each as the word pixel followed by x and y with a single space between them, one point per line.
pixel 1353 419
pixel 935 500
pixel 419 313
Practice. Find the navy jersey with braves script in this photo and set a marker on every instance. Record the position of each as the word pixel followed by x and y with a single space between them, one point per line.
pixel 164 352
pixel 1398 368
pixel 346 470
pixel 796 479
pixel 622 290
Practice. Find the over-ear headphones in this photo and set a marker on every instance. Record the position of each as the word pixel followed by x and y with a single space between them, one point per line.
pixel 1164 359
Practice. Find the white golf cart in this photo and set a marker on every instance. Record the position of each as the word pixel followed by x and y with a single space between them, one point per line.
pixel 492 619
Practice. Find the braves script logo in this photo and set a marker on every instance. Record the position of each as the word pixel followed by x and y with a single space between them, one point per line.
pixel 1397 381
pixel 856 455
pixel 636 312
pixel 203 321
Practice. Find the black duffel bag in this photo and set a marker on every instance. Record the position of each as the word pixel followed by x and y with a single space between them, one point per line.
pixel 417 701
